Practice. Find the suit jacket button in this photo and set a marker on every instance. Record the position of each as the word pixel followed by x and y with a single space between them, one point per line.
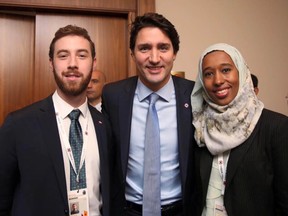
pixel 66 211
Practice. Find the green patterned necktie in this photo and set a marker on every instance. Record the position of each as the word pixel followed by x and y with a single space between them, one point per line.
pixel 76 143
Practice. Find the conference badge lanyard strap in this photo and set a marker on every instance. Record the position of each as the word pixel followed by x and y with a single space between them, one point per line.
pixel 68 147
pixel 78 199
pixel 222 165
pixel 219 208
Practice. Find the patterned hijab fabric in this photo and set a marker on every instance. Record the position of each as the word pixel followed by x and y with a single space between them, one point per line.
pixel 221 128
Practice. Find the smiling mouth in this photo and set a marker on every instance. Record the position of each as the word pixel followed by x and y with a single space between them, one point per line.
pixel 154 68
pixel 222 93
pixel 72 75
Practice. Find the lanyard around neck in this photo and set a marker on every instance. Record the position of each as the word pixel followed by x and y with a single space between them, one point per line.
pixel 68 146
pixel 222 165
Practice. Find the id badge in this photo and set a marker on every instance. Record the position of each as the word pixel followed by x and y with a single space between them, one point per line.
pixel 219 209
pixel 78 202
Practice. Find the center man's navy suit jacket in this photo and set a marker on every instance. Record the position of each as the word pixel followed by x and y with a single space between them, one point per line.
pixel 117 102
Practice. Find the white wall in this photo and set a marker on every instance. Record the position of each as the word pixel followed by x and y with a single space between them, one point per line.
pixel 259 29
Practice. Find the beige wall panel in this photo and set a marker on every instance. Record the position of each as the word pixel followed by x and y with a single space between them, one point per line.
pixel 257 28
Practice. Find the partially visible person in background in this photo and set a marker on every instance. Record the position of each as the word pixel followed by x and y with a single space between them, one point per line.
pixel 94 89
pixel 243 147
pixel 255 83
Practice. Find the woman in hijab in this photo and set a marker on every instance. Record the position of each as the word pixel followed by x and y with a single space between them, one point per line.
pixel 242 159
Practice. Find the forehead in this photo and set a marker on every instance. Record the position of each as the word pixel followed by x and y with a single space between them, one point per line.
pixel 72 43
pixel 217 56
pixel 150 35
pixel 96 75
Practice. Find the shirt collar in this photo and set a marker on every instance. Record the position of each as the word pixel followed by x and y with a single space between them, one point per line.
pixel 63 108
pixel 165 92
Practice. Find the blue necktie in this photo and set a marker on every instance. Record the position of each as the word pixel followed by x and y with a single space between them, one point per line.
pixel 151 185
pixel 76 143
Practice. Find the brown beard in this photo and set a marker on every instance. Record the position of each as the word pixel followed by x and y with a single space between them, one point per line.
pixel 72 88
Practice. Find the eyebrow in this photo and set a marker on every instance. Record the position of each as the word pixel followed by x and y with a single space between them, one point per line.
pixel 67 51
pixel 226 64
pixel 83 50
pixel 166 44
pixel 223 64
pixel 158 44
pixel 62 50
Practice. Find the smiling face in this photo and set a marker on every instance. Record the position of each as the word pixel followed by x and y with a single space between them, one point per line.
pixel 220 77
pixel 154 57
pixel 72 65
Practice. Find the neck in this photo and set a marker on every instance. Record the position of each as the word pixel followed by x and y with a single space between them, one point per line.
pixel 74 101
pixel 95 102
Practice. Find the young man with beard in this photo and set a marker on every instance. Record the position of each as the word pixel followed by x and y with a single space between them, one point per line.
pixel 48 161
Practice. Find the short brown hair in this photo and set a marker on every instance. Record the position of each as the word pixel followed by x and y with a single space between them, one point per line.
pixel 71 30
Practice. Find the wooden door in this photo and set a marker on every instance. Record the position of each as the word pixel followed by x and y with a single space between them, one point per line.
pixel 16 62
pixel 27 28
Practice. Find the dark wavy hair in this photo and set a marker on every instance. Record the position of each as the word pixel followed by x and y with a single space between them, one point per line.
pixel 71 30
pixel 154 20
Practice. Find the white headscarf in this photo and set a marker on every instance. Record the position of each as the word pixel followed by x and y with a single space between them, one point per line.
pixel 222 128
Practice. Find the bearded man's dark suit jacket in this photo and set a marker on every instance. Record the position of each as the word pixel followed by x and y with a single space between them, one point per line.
pixel 32 175
pixel 257 177
pixel 117 104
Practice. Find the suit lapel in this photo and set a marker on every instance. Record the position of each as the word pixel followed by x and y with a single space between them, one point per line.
pixel 48 123
pixel 125 118
pixel 100 131
pixel 103 146
pixel 236 157
pixel 206 160
pixel 184 119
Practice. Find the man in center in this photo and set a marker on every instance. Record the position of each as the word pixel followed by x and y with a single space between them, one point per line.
pixel 154 43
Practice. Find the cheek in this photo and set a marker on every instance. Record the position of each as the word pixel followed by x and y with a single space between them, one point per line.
pixel 207 84
pixel 168 58
pixel 58 65
pixel 140 58
pixel 236 85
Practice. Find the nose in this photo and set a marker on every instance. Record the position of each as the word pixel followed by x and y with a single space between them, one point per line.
pixel 73 64
pixel 154 56
pixel 218 78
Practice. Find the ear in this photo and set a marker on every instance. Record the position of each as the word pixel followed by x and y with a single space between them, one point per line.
pixel 94 63
pixel 132 55
pixel 174 56
pixel 51 66
pixel 256 90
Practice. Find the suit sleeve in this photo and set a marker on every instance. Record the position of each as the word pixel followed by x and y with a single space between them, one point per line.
pixel 9 174
pixel 280 162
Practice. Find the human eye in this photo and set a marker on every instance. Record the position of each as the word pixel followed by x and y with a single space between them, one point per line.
pixel 94 81
pixel 226 70
pixel 62 55
pixel 82 55
pixel 207 74
pixel 164 47
pixel 144 48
